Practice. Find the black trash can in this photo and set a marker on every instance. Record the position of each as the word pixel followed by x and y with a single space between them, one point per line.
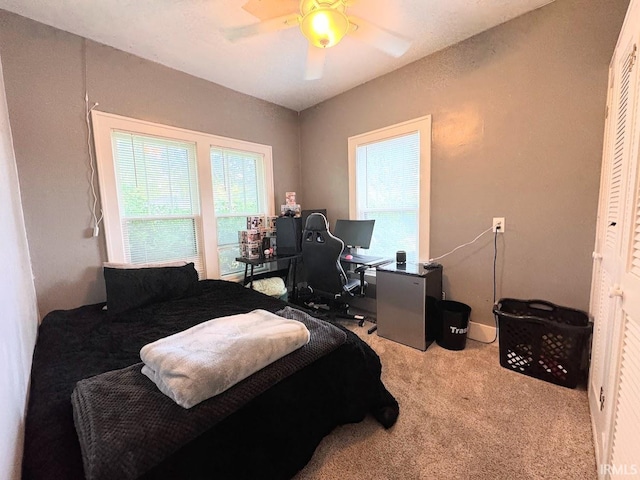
pixel 454 322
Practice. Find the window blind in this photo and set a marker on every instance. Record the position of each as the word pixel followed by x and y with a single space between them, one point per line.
pixel 388 190
pixel 158 199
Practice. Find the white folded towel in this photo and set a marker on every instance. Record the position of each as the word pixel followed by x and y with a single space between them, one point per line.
pixel 207 359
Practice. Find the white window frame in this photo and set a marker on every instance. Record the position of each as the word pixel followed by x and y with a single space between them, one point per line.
pixel 422 125
pixel 104 123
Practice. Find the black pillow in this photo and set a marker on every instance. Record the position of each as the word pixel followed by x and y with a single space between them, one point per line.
pixel 136 287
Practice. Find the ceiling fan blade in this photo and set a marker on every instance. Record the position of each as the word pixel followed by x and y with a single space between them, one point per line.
pixel 266 9
pixel 268 26
pixel 384 40
pixel 315 62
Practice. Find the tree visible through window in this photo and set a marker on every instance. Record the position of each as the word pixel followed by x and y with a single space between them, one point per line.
pixel 173 194
pixel 238 190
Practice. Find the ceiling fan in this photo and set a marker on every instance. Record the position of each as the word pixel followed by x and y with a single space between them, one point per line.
pixel 324 23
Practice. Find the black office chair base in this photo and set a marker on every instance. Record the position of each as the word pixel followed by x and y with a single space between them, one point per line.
pixel 351 316
pixel 342 311
pixel 334 310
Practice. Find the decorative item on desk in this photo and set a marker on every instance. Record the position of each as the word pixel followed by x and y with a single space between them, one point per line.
pixel 290 210
pixel 290 207
pixel 271 224
pixel 255 222
pixel 401 257
pixel 251 250
pixel 247 236
pixel 251 239
pixel 268 247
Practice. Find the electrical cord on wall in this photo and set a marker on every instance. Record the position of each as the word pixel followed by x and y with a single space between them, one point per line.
pixel 94 206
pixel 495 260
pixel 460 246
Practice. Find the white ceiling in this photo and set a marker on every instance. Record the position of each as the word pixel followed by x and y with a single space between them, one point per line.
pixel 186 35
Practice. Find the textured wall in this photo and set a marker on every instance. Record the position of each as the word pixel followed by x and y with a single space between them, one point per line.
pixel 18 312
pixel 517 132
pixel 518 120
pixel 45 72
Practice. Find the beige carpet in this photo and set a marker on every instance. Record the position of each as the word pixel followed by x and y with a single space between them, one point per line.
pixel 462 416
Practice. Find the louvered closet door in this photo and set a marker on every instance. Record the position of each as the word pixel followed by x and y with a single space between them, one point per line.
pixel 625 448
pixel 601 307
pixel 626 424
pixel 606 300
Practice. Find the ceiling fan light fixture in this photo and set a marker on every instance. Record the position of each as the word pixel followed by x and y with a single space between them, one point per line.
pixel 324 27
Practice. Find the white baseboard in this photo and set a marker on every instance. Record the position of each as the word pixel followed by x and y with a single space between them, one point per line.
pixel 481 332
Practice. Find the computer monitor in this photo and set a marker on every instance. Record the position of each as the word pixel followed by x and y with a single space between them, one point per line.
pixel 305 214
pixel 354 233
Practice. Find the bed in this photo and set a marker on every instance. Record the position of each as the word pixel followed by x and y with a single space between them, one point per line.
pixel 270 436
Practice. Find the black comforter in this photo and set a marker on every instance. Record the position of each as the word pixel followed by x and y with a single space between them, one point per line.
pixel 271 437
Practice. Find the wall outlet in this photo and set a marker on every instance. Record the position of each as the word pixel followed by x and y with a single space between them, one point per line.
pixel 498 222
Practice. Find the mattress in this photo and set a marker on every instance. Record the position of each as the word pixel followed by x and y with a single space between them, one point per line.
pixel 272 436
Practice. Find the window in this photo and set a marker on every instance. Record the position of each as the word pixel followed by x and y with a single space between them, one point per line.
pixel 157 187
pixel 389 181
pixel 170 194
pixel 238 180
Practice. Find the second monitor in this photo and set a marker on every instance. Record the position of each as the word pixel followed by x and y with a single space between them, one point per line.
pixel 354 233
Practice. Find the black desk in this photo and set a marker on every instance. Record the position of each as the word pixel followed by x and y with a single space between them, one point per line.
pixel 293 262
pixel 369 261
pixel 365 262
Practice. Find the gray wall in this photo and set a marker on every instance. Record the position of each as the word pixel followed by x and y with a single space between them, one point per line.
pixel 517 132
pixel 44 72
pixel 18 312
pixel 518 120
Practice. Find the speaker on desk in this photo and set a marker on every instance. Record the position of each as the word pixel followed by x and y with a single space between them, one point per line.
pixel 305 214
pixel 401 257
pixel 288 235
